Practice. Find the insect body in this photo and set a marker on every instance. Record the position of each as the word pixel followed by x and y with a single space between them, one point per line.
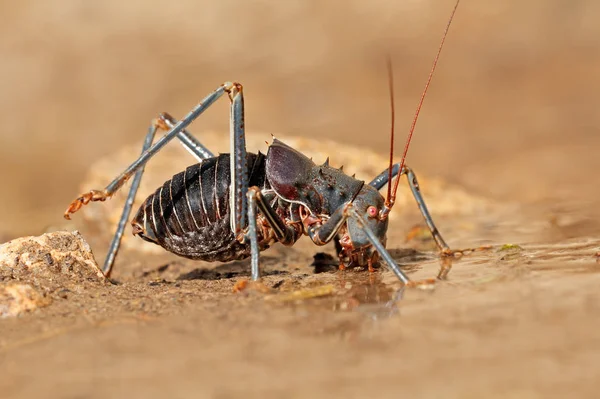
pixel 189 215
pixel 209 211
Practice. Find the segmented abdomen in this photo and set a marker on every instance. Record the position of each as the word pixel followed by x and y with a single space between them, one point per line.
pixel 189 215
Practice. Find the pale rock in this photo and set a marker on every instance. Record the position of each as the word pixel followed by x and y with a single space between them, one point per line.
pixel 16 299
pixel 49 262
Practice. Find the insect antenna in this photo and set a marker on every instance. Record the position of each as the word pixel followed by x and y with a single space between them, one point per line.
pixel 391 87
pixel 391 197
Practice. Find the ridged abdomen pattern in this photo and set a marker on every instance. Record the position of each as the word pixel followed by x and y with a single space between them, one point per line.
pixel 189 214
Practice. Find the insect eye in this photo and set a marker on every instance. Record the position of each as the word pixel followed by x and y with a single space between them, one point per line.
pixel 372 211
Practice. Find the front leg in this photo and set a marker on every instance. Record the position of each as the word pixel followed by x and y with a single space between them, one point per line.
pixel 382 179
pixel 350 211
pixel 284 233
pixel 322 233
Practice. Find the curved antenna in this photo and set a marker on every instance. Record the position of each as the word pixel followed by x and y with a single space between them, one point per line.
pixel 392 198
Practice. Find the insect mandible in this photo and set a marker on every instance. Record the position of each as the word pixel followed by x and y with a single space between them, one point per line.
pixel 232 206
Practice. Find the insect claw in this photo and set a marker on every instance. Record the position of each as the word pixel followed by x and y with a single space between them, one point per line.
pixel 243 286
pixel 326 163
pixel 370 265
pixel 342 168
pixel 84 199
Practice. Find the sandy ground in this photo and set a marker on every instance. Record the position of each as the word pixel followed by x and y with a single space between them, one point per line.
pixel 506 147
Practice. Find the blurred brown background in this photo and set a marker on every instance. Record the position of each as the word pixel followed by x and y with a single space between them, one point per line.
pixel 511 112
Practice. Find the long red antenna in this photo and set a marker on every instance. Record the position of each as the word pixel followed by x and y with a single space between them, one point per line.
pixel 391 199
pixel 391 86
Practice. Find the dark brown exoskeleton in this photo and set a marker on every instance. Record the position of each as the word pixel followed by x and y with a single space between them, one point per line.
pixel 209 211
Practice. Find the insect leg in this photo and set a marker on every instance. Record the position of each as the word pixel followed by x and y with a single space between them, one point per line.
pixel 416 190
pixel 252 235
pixel 239 168
pixel 102 195
pixel 116 241
pixel 321 234
pixel 382 178
pixel 381 181
pixel 164 122
pixel 284 233
pixel 349 211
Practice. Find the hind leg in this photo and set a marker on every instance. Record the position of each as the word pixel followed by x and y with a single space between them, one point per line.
pixel 175 129
pixel 197 149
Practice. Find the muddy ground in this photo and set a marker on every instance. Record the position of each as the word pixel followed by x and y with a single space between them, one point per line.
pixel 506 150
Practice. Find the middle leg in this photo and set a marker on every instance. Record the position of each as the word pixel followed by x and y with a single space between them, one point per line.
pixel 284 233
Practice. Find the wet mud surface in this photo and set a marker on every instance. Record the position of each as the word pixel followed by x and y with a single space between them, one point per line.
pixel 505 152
pixel 518 319
pixel 516 322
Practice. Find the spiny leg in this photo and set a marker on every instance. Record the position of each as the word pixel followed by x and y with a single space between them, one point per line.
pixel 239 163
pixel 197 149
pixel 243 215
pixel 382 179
pixel 102 195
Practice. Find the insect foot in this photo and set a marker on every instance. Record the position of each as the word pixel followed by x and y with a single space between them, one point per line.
pixel 245 286
pixel 459 253
pixel 84 199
